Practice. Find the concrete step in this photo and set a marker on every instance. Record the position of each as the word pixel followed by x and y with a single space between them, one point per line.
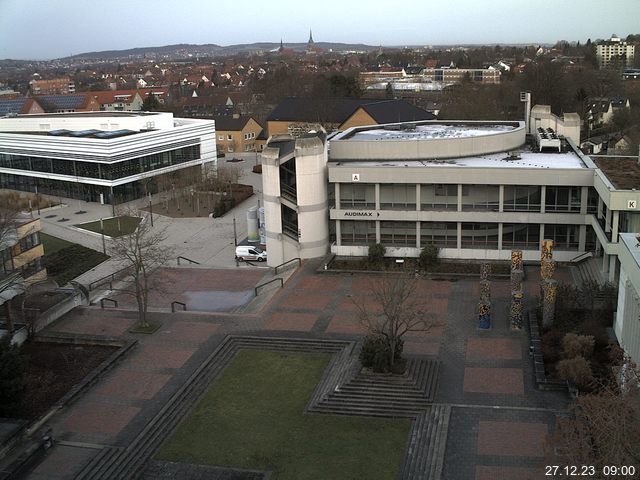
pixel 424 459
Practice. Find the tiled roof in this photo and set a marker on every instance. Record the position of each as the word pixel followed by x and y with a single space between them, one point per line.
pixel 227 123
pixel 337 110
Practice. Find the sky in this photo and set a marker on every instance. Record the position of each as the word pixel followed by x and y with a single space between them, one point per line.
pixel 46 29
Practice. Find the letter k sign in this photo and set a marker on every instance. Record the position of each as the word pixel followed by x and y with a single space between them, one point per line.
pixel 632 204
pixel 355 177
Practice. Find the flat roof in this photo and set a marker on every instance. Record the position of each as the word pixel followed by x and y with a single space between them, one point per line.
pixel 429 131
pixel 523 159
pixel 622 172
pixel 88 114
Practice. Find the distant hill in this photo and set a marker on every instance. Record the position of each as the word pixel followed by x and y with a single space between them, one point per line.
pixel 190 50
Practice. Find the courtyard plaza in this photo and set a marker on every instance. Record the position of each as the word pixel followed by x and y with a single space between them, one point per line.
pixel 499 420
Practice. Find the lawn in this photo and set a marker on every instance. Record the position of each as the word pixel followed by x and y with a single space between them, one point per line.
pixel 253 417
pixel 65 260
pixel 53 244
pixel 113 227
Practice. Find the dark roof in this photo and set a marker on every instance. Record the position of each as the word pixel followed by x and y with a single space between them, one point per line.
pixel 61 102
pixel 337 110
pixel 624 173
pixel 227 123
pixel 393 111
pixel 13 105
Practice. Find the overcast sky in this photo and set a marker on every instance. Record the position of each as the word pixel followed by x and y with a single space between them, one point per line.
pixel 45 29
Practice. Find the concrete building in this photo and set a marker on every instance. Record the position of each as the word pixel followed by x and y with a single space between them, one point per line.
pixel 615 52
pixel 101 156
pixel 627 322
pixel 477 190
pixel 21 252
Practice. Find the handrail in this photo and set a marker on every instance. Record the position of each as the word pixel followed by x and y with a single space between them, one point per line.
pixel 115 302
pixel 187 259
pixel 255 290
pixel 111 277
pixel 287 262
pixel 579 257
pixel 174 303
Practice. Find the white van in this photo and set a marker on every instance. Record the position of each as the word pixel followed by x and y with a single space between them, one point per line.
pixel 249 252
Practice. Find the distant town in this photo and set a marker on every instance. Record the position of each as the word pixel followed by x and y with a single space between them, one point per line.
pixel 317 260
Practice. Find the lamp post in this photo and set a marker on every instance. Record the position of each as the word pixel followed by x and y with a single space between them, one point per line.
pixel 151 209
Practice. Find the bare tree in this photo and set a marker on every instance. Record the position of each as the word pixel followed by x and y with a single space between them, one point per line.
pixel 602 428
pixel 396 309
pixel 141 252
pixel 11 282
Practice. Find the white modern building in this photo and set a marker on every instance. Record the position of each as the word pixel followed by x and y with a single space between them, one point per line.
pixel 477 190
pixel 627 322
pixel 615 52
pixel 101 156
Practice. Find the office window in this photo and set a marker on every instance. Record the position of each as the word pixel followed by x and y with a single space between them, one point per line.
pixel 358 196
pixel 398 234
pixel 441 234
pixel 480 235
pixel 525 236
pixel 439 197
pixel 522 198
pixel 398 197
pixel 354 232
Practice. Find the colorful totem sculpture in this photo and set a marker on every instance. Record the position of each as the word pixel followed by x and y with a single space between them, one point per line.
pixel 517 276
pixel 484 306
pixel 548 286
pixel 516 311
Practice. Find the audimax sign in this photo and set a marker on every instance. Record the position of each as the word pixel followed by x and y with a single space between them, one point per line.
pixel 360 213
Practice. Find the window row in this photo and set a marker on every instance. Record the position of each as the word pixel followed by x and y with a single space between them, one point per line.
pixel 104 171
pixel 474 197
pixel 445 234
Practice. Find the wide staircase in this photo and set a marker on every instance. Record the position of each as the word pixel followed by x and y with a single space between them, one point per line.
pixel 590 271
pixel 344 390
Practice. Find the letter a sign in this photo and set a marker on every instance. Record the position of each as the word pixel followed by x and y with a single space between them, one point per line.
pixel 355 177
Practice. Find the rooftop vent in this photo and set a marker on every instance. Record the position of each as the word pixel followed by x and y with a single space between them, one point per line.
pixel 513 156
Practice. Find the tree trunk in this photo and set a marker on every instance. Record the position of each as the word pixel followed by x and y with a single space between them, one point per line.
pixel 7 311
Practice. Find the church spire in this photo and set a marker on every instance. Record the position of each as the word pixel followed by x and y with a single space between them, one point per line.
pixel 310 37
pixel 281 45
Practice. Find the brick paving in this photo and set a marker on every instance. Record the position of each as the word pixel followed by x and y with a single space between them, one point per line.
pixel 141 385
pixel 162 356
pixel 506 473
pixel 512 438
pixel 478 369
pixel 496 381
pixel 479 348
pixel 291 321
pixel 101 418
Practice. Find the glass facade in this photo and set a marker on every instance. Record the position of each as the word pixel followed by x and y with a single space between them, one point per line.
pixel 101 170
pixel 522 198
pixel 443 235
pixel 398 234
pixel 480 197
pixel 480 235
pixel 400 196
pixel 562 199
pixel 439 197
pixel 524 236
pixel 358 196
pixel 565 237
pixel 353 232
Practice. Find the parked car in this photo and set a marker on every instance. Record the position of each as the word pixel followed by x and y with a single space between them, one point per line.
pixel 249 252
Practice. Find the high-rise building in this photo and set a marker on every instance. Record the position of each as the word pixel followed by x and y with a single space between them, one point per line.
pixel 615 53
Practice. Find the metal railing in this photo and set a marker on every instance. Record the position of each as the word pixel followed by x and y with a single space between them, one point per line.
pixel 174 303
pixel 114 302
pixel 255 290
pixel 582 256
pixel 109 279
pixel 297 259
pixel 187 259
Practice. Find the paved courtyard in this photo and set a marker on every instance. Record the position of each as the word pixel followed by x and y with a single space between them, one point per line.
pixel 499 421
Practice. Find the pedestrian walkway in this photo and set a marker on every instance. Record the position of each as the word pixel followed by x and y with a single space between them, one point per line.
pixel 489 411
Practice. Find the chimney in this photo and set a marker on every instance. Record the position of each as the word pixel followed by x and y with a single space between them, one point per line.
pixel 236 116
